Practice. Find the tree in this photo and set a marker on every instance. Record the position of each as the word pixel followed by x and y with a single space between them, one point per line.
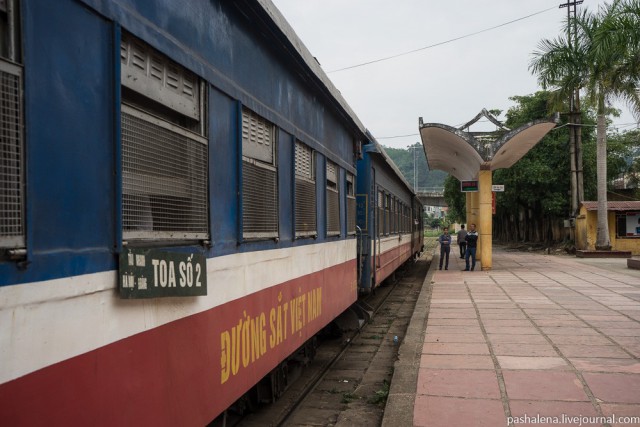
pixel 614 53
pixel 560 64
pixel 606 63
pixel 456 200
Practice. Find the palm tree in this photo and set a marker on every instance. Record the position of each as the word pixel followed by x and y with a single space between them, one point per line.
pixel 560 64
pixel 614 52
pixel 605 62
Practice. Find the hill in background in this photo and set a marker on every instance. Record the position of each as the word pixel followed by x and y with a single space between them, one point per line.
pixel 404 159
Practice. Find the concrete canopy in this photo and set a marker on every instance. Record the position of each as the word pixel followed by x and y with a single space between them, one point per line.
pixel 462 154
pixel 450 150
pixel 515 144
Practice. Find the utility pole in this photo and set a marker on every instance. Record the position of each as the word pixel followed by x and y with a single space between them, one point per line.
pixel 415 170
pixel 575 131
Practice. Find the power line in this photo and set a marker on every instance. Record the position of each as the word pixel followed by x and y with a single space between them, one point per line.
pixel 621 125
pixel 440 43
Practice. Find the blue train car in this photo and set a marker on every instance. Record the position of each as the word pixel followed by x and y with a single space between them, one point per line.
pixel 389 215
pixel 178 208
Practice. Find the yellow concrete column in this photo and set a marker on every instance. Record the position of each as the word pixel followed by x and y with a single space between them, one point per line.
pixel 486 219
pixel 468 209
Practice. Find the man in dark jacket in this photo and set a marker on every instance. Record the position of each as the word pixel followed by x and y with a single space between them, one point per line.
pixel 472 244
pixel 445 247
pixel 462 243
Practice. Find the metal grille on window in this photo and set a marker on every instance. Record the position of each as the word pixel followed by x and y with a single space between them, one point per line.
pixel 259 178
pixel 351 204
pixel 164 179
pixel 380 213
pixel 333 200
pixel 305 205
pixel 387 215
pixel 11 157
pixel 394 216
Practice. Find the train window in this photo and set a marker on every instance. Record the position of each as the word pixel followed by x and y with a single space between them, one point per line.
pixel 10 31
pixel 392 219
pixel 351 204
pixel 387 216
pixel 333 200
pixel 164 147
pixel 259 177
pixel 305 204
pixel 12 227
pixel 380 215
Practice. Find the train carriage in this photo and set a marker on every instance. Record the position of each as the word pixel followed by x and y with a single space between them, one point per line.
pixel 178 208
pixel 389 216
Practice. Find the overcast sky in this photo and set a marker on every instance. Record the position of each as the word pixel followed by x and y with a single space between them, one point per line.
pixel 446 84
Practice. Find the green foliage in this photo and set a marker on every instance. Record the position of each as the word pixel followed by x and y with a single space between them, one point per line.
pixel 404 159
pixel 456 200
pixel 623 150
pixel 540 180
pixel 380 397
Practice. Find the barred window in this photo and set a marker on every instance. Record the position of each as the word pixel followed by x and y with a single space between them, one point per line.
pixel 380 213
pixel 387 216
pixel 333 200
pixel 12 159
pixel 351 204
pixel 394 215
pixel 259 177
pixel 164 147
pixel 305 202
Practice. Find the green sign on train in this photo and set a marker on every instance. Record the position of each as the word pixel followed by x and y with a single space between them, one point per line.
pixel 152 273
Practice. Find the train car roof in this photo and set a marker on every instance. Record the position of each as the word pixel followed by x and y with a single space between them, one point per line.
pixel 376 147
pixel 309 60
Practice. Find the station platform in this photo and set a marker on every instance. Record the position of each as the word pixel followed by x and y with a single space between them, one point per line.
pixel 538 340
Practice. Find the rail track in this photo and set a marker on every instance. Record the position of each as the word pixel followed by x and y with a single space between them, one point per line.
pixel 350 375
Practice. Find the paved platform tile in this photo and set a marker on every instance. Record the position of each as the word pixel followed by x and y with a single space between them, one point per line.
pixel 543 385
pixel 533 408
pixel 517 330
pixel 520 349
pixel 569 331
pixel 502 322
pixel 478 338
pixel 573 350
pixel 580 339
pixel 609 409
pixel 554 323
pixel 436 411
pixel 458 383
pixel 614 387
pixel 453 322
pixel 455 348
pixel 456 361
pixel 451 314
pixel 532 363
pixel 453 330
pixel 602 364
pixel 517 338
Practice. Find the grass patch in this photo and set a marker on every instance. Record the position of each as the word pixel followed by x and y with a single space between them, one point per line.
pixel 380 397
pixel 349 397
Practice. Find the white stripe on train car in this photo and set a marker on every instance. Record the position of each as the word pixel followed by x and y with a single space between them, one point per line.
pixel 50 321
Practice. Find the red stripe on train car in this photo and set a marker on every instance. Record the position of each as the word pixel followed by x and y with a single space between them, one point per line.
pixel 185 372
pixel 390 260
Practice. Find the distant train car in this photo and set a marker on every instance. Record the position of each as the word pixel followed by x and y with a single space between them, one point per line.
pixel 178 208
pixel 389 217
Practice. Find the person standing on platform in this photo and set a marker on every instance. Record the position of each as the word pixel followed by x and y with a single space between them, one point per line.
pixel 445 247
pixel 462 243
pixel 472 244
